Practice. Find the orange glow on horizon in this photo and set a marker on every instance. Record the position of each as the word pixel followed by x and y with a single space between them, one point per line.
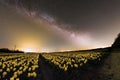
pixel 29 50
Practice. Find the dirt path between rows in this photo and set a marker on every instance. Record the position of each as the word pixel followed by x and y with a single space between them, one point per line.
pixel 46 71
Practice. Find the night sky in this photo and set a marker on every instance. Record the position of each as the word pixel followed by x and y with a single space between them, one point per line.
pixel 58 25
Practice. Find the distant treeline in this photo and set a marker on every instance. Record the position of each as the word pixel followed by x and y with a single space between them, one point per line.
pixel 6 50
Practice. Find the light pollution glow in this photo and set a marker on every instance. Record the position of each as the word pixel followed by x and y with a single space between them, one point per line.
pixel 32 33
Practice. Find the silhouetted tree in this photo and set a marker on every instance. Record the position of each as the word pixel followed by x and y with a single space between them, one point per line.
pixel 4 50
pixel 116 44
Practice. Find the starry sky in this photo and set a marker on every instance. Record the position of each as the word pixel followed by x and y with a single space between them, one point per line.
pixel 58 25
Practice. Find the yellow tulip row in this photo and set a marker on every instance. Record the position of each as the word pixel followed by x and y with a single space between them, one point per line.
pixel 66 60
pixel 14 66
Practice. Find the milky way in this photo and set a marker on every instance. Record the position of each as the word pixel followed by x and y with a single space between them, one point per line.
pixel 60 25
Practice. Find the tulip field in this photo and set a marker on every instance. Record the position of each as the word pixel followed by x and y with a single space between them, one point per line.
pixel 67 60
pixel 45 66
pixel 16 67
